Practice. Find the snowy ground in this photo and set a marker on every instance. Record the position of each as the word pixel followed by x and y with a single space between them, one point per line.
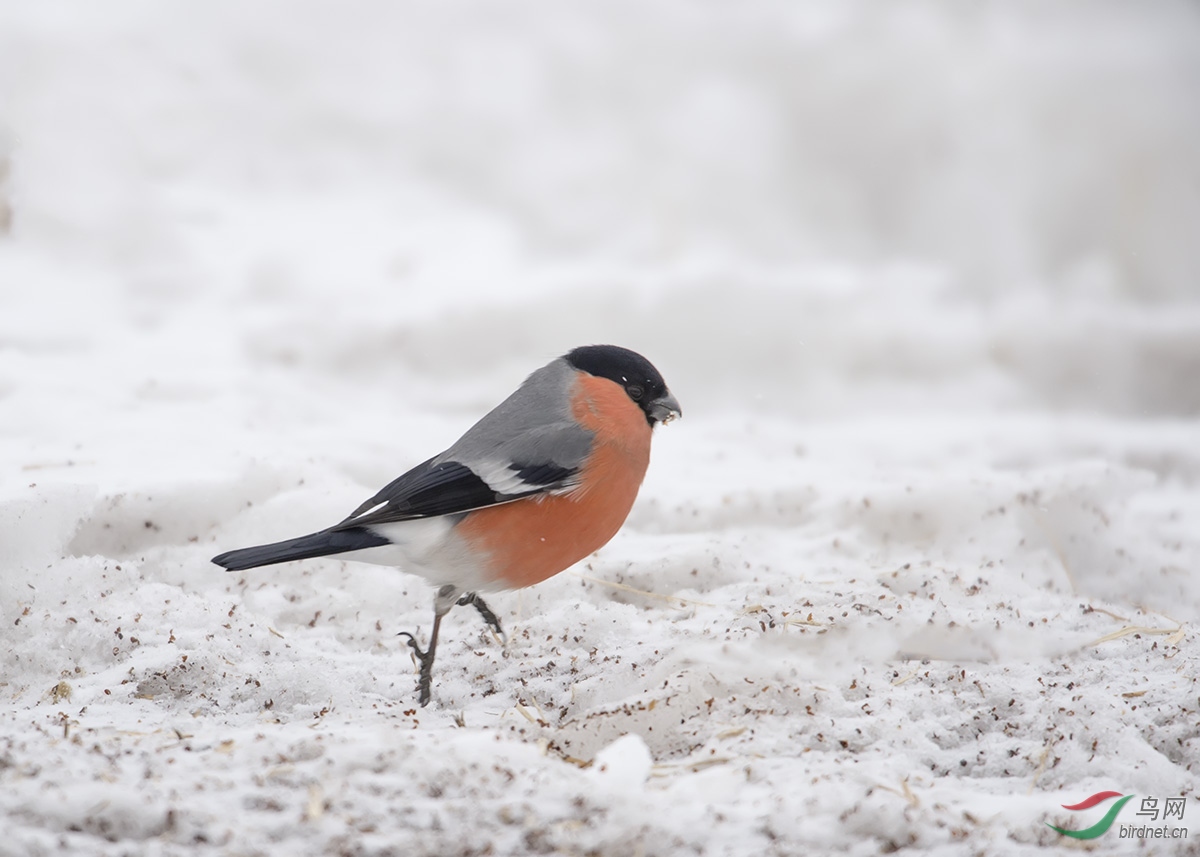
pixel 919 565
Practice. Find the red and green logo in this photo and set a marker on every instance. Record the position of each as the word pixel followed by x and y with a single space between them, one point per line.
pixel 1101 827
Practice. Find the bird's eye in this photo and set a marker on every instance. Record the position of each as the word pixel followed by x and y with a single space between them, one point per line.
pixel 635 391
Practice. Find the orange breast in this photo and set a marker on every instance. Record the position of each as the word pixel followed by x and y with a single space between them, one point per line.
pixel 529 540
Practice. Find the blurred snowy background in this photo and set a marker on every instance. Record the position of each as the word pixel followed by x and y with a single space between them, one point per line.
pixel 923 276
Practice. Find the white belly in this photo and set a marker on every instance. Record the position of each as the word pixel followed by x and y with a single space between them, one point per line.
pixel 428 547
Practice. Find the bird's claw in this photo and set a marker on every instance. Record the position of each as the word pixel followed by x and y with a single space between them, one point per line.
pixel 485 612
pixel 421 656
pixel 425 659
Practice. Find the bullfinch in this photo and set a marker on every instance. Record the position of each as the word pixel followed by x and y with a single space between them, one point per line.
pixel 539 483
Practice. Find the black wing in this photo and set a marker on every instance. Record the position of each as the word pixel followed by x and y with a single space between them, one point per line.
pixel 430 490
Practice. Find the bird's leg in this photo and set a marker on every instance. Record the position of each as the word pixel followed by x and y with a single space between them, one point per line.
pixel 442 602
pixel 486 612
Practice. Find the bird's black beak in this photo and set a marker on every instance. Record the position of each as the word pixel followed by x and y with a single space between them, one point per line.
pixel 664 409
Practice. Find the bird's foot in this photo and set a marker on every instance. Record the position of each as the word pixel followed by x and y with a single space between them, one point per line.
pixel 489 617
pixel 425 659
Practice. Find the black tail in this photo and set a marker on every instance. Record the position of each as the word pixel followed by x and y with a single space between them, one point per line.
pixel 306 547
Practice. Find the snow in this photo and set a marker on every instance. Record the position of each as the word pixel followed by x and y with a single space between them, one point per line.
pixel 918 566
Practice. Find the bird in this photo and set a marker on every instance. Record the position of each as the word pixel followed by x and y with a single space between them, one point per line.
pixel 540 482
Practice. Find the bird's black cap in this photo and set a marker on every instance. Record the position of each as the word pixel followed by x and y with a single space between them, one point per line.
pixel 631 370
